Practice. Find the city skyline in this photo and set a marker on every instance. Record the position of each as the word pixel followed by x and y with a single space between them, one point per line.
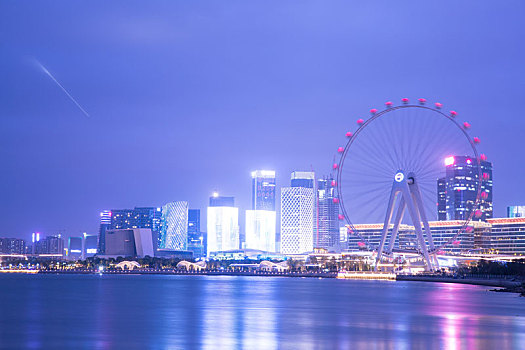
pixel 200 113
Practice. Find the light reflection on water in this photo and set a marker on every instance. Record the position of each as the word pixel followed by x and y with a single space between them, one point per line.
pixel 158 312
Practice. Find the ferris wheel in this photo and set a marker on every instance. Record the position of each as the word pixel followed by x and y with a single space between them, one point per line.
pixel 388 171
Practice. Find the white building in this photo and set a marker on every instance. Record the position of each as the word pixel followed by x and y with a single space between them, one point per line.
pixel 260 230
pixel 223 224
pixel 297 218
pixel 174 226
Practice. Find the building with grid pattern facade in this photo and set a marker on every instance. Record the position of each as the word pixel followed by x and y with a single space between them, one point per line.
pixel 297 220
pixel 174 226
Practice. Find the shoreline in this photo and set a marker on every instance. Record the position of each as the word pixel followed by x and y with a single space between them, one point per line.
pixel 504 285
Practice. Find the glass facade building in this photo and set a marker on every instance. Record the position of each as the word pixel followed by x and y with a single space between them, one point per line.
pixel 460 189
pixel 260 230
pixel 196 241
pixel 174 226
pixel 327 218
pixel 263 190
pixel 223 224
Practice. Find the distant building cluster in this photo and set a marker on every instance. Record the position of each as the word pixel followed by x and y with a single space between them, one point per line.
pixel 309 219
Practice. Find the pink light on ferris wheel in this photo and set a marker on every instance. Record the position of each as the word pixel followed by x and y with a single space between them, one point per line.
pixel 360 121
pixel 341 217
pixel 388 104
pixel 422 101
pixel 334 183
pixel 466 125
pixel 349 134
pixel 438 105
pixel 361 244
pixel 453 114
pixel 405 100
pixel 373 111
pixel 484 195
pixel 450 161
pixel 478 214
pixel 456 242
pixel 469 229
pixel 476 140
pixel 482 156
pixel 336 200
pixel 340 149
pixel 335 166
pixel 486 176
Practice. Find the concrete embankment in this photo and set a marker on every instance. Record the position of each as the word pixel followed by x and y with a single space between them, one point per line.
pixel 477 281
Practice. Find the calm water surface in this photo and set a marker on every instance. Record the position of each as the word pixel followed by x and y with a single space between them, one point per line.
pixel 185 312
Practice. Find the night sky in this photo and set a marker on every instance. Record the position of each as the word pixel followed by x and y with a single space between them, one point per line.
pixel 187 97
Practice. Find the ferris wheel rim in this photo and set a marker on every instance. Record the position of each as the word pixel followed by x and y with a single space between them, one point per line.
pixel 376 115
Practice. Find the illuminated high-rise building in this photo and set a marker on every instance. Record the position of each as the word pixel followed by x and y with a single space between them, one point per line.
pixel 105 224
pixel 263 190
pixel 461 185
pixel 223 224
pixel 297 214
pixel 74 248
pixel 174 226
pixel 12 246
pixel 516 211
pixel 327 219
pixel 260 230
pixel 195 235
pixel 261 220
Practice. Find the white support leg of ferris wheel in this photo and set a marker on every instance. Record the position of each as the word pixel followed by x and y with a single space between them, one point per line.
pixel 403 186
pixel 397 222
pixel 417 196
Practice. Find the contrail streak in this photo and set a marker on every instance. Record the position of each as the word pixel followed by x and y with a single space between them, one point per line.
pixel 63 89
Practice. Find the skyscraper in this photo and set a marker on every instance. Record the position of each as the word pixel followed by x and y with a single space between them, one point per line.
pixel 260 230
pixel 442 199
pixel 74 248
pixel 297 214
pixel 223 224
pixel 105 224
pixel 327 218
pixel 174 226
pixel 261 220
pixel 461 185
pixel 263 190
pixel 195 236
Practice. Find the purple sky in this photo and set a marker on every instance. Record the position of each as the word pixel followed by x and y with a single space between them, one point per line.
pixel 189 96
